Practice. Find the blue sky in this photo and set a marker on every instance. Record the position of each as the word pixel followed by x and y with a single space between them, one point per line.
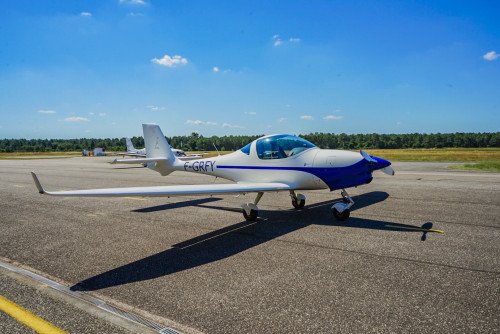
pixel 72 69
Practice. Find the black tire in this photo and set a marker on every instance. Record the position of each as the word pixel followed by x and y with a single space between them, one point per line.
pixel 252 216
pixel 341 216
pixel 298 204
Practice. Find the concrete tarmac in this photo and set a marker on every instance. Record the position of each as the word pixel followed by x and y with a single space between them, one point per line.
pixel 194 261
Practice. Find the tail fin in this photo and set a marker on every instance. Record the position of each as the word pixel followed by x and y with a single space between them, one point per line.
pixel 157 147
pixel 130 146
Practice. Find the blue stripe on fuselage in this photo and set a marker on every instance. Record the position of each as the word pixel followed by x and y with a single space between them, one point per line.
pixel 335 177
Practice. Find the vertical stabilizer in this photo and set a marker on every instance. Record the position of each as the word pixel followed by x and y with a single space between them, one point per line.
pixel 156 143
pixel 130 146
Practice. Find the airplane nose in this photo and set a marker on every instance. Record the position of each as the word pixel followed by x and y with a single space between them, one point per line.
pixel 381 163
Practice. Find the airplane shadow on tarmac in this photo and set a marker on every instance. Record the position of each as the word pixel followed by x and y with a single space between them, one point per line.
pixel 231 240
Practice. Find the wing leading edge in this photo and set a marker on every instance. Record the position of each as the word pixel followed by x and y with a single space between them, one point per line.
pixel 167 191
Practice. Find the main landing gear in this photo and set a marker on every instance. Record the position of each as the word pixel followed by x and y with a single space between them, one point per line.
pixel 298 200
pixel 341 209
pixel 250 210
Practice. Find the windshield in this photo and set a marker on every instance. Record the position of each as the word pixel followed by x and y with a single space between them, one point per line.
pixel 281 146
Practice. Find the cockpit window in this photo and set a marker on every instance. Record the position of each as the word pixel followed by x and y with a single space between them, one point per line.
pixel 246 149
pixel 281 146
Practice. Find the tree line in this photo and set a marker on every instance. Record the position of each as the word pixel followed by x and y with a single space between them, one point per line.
pixel 197 142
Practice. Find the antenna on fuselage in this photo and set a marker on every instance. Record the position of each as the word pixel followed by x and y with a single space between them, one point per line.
pixel 218 153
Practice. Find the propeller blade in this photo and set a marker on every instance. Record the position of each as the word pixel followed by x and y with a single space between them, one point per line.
pixel 388 170
pixel 367 157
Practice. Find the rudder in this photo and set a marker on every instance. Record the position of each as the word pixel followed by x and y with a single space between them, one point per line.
pixel 156 143
pixel 130 146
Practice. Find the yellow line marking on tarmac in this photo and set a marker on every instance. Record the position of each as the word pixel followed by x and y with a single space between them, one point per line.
pixel 415 228
pixel 34 322
pixel 136 198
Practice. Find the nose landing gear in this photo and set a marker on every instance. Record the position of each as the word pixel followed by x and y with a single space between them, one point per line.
pixel 341 209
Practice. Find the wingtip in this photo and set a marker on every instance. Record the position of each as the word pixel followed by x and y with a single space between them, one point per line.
pixel 37 183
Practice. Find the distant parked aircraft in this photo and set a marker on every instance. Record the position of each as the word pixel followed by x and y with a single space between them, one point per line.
pixel 141 152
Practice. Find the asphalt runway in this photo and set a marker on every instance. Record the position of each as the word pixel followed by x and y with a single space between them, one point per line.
pixel 196 262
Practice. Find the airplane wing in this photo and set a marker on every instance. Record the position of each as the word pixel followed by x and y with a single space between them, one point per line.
pixel 134 155
pixel 137 161
pixel 190 157
pixel 168 191
pixel 126 154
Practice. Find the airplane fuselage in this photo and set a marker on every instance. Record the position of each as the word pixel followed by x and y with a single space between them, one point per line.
pixel 311 169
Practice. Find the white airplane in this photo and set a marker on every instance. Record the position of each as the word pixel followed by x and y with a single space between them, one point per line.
pixel 269 164
pixel 131 150
pixel 141 152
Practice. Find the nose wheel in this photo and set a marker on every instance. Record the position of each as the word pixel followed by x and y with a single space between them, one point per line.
pixel 341 210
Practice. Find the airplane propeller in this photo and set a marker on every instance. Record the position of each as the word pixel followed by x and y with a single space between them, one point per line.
pixel 388 170
pixel 367 157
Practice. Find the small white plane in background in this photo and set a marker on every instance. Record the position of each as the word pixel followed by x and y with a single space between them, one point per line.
pixel 269 164
pixel 141 152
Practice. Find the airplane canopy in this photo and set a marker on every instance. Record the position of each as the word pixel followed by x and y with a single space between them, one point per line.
pixel 279 146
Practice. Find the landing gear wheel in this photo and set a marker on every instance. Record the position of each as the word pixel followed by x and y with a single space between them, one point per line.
pixel 298 203
pixel 341 216
pixel 252 216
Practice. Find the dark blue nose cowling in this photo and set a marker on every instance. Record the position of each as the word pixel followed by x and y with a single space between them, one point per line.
pixel 380 163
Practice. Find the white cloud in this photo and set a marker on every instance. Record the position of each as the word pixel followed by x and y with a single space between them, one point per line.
pixel 217 69
pixel 92 113
pixel 227 125
pixel 76 119
pixel 398 123
pixel 155 108
pixel 102 114
pixel 133 2
pixel 281 120
pixel 198 122
pixel 332 118
pixel 277 41
pixel 492 55
pixel 45 111
pixel 133 14
pixel 170 61
pixel 307 117
pixel 253 113
pixel 85 14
